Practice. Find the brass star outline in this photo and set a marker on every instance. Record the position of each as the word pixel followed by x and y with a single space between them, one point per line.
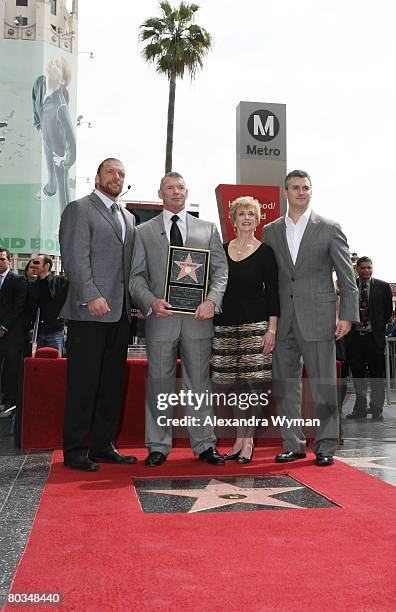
pixel 210 497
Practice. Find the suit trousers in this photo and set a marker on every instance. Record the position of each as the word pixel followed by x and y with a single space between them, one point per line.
pixel 162 355
pixel 320 362
pixel 96 364
pixel 363 353
pixel 11 361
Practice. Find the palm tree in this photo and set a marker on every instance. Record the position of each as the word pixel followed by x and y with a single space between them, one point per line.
pixel 175 45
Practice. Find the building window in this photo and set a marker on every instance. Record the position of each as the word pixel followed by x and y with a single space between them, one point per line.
pixel 21 2
pixel 53 7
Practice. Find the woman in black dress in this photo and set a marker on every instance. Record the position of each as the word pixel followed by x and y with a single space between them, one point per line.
pixel 245 331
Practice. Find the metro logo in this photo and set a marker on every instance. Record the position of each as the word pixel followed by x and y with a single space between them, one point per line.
pixel 263 125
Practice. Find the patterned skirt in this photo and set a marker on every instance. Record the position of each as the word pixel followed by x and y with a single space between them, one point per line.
pixel 237 355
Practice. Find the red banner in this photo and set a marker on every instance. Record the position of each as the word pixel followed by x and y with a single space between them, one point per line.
pixel 269 198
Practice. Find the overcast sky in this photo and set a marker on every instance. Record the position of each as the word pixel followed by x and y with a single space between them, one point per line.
pixel 331 63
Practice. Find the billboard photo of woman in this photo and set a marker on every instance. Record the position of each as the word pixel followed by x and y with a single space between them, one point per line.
pixel 50 98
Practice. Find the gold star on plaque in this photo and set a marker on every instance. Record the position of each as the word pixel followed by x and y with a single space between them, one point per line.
pixel 188 268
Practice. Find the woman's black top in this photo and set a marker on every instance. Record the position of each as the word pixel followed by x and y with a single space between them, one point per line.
pixel 252 289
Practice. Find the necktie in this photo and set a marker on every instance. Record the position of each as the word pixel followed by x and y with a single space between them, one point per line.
pixel 363 306
pixel 1 281
pixel 114 212
pixel 175 234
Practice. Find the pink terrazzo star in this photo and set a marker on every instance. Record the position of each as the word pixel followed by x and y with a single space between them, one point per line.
pixel 217 494
pixel 188 268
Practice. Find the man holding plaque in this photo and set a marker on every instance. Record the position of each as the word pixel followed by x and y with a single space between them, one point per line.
pixel 182 257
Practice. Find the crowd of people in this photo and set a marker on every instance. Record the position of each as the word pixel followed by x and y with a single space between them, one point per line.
pixel 268 307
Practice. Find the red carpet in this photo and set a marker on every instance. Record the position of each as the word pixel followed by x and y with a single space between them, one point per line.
pixel 91 542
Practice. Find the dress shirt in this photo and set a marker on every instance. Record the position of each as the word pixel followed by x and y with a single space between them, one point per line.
pixel 181 224
pixel 295 232
pixel 108 203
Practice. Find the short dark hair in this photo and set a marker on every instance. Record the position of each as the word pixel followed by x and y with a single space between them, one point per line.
pixel 7 252
pixel 172 175
pixel 299 174
pixel 364 259
pixel 46 259
pixel 107 160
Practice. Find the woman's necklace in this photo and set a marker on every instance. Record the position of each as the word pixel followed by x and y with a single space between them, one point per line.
pixel 243 246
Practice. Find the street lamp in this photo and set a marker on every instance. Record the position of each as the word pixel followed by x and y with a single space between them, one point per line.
pixel 80 121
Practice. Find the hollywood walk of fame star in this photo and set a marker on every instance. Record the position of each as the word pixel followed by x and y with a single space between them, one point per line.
pixel 366 462
pixel 218 494
pixel 188 268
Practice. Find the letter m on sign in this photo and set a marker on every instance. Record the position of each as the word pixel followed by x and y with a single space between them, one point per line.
pixel 258 126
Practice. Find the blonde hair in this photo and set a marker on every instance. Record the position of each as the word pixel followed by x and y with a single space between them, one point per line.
pixel 244 202
pixel 66 71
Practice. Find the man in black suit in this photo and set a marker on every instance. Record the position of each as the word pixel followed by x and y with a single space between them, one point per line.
pixel 13 292
pixel 366 341
pixel 96 239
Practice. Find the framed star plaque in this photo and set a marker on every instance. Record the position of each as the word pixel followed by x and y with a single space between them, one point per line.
pixel 186 282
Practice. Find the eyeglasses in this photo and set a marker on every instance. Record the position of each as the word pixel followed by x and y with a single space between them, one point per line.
pixel 36 262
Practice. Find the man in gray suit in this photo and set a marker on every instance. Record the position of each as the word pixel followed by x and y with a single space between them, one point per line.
pixel 166 332
pixel 96 239
pixel 307 247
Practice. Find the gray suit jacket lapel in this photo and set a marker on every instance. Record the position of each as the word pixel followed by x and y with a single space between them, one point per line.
pixel 129 226
pixel 102 208
pixel 191 237
pixel 160 240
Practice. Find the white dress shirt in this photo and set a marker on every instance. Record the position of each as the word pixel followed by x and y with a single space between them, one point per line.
pixel 295 232
pixel 181 224
pixel 108 202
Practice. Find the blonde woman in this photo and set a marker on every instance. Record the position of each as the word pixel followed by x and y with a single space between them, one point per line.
pixel 51 116
pixel 245 332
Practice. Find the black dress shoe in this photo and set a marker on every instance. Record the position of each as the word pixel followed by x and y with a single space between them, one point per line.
pixel 111 455
pixel 286 457
pixel 377 416
pixel 155 459
pixel 356 416
pixel 211 455
pixel 323 460
pixel 81 463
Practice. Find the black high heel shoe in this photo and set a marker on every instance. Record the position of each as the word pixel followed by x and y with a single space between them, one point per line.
pixel 243 460
pixel 232 456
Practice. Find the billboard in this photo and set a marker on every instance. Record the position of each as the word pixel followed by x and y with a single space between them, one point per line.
pixel 37 172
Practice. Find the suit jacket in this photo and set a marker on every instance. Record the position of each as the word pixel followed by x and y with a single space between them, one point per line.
pixel 96 261
pixel 13 295
pixel 380 310
pixel 306 288
pixel 148 275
